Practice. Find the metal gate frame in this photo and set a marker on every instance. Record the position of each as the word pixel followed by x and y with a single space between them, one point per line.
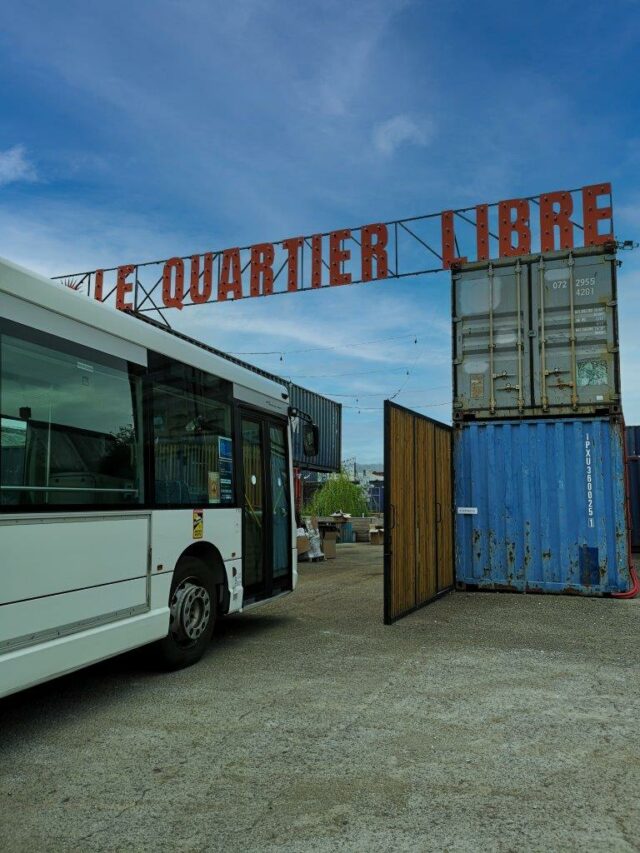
pixel 390 513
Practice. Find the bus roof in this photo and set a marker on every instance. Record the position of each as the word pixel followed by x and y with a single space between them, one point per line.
pixel 31 287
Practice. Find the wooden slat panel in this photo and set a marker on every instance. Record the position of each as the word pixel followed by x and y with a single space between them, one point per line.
pixel 444 496
pixel 424 479
pixel 418 513
pixel 403 555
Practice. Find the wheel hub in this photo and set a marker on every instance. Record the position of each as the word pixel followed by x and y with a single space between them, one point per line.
pixel 190 611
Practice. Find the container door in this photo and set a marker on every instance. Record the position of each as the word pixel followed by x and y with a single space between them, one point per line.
pixel 418 559
pixel 575 323
pixel 491 370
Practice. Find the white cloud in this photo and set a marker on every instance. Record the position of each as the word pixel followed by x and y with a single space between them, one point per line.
pixel 14 166
pixel 402 129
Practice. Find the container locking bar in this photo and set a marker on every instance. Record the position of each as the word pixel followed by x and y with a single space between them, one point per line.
pixel 572 334
pixel 543 340
pixel 492 346
pixel 518 387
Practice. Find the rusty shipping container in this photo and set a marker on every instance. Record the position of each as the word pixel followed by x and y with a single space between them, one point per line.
pixel 540 506
pixel 536 337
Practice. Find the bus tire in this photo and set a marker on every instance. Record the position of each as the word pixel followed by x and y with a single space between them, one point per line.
pixel 192 605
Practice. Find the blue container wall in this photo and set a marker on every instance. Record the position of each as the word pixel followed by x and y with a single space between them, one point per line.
pixel 633 469
pixel 550 500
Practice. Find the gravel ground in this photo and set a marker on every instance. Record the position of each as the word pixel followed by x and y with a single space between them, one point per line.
pixel 482 722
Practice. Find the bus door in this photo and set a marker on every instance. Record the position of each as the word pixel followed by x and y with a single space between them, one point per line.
pixel 266 507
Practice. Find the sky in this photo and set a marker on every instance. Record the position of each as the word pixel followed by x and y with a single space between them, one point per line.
pixel 140 130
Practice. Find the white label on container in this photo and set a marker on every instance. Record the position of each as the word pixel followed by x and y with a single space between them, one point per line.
pixel 467 510
pixel 589 480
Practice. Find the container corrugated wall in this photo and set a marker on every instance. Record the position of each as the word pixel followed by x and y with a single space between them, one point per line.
pixel 543 506
pixel 327 414
pixel 633 469
pixel 537 337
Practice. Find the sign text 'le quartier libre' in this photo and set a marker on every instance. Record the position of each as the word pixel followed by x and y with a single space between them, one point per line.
pixel 320 260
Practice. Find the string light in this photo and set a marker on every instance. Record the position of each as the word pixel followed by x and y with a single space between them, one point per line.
pixel 282 353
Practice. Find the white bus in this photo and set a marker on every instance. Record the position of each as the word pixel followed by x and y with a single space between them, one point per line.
pixel 145 485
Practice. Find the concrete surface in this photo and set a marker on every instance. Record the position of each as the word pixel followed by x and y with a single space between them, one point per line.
pixel 482 722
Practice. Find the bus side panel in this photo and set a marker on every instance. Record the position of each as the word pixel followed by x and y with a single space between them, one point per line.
pixel 73 609
pixel 63 574
pixel 28 666
pixel 174 530
pixel 52 555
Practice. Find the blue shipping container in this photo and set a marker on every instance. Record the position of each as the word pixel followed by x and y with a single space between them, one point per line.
pixel 540 506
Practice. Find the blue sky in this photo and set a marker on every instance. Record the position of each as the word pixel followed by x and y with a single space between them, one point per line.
pixel 138 130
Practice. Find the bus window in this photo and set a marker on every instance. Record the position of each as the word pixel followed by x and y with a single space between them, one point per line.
pixel 192 435
pixel 69 425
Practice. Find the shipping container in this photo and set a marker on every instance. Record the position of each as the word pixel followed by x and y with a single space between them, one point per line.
pixel 633 483
pixel 536 337
pixel 540 506
pixel 327 414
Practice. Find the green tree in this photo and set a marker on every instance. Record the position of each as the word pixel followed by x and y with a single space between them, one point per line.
pixel 338 493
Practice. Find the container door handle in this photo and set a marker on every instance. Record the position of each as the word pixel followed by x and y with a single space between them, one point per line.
pixel 392 522
pixel 438 512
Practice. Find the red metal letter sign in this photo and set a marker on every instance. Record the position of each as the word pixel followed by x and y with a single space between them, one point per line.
pixel 173 294
pixel 316 260
pixel 198 295
pixel 592 214
pixel 337 256
pixel 550 217
pixel 292 246
pixel 449 258
pixel 124 287
pixel 508 225
pixel 262 255
pixel 98 285
pixel 377 249
pixel 230 276
pixel 482 232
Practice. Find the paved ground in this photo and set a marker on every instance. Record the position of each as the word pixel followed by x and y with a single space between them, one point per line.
pixel 483 722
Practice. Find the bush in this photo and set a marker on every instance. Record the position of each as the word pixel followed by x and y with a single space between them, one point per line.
pixel 336 494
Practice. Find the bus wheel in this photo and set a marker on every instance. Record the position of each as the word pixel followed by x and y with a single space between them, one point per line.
pixel 192 604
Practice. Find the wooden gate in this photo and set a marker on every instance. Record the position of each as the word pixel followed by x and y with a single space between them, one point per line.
pixel 418 511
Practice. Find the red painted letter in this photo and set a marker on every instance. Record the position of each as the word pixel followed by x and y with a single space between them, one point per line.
pixel 230 276
pixel 262 255
pixel 482 232
pixel 509 225
pixel 199 296
pixel 292 246
pixel 316 260
pixel 124 287
pixel 449 258
pixel 371 249
pixel 337 256
pixel 592 214
pixel 173 297
pixel 98 285
pixel 550 217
